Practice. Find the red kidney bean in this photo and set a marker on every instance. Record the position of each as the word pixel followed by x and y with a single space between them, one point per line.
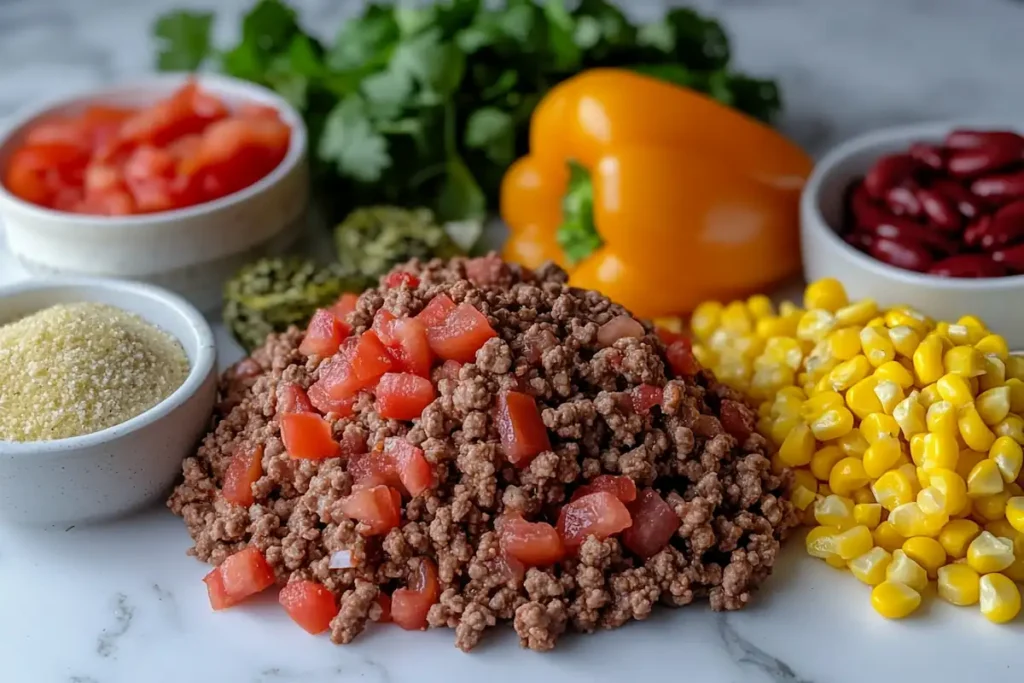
pixel 1007 227
pixel 928 155
pixel 972 162
pixel 973 139
pixel 967 204
pixel 941 211
pixel 887 172
pixel 1000 187
pixel 968 265
pixel 859 239
pixel 976 230
pixel 904 231
pixel 902 200
pixel 1011 257
pixel 910 256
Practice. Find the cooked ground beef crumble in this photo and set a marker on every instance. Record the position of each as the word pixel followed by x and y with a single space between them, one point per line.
pixel 731 512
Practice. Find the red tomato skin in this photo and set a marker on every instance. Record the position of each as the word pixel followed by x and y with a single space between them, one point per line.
pixel 620 486
pixel 409 606
pixel 522 431
pixel 398 278
pixel 436 311
pixel 36 173
pixel 681 359
pixel 359 364
pixel 310 605
pixel 645 397
pixel 238 577
pixel 384 600
pixel 461 335
pixel 307 436
pixel 345 304
pixel 324 334
pixel 292 399
pixel 245 469
pixel 326 405
pixel 403 395
pixel 654 524
pixel 378 507
pixel 383 326
pixel 411 465
pixel 534 544
pixel 600 514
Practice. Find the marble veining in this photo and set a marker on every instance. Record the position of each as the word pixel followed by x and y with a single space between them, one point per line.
pixel 106 643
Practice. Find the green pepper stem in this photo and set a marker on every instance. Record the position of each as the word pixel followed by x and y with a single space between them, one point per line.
pixel 577 235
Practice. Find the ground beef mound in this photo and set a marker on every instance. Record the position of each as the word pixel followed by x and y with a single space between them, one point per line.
pixel 732 515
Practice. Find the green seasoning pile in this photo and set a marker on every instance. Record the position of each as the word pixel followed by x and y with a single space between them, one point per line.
pixel 428 105
pixel 74 369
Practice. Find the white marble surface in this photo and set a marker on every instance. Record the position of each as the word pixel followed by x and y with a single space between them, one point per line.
pixel 121 603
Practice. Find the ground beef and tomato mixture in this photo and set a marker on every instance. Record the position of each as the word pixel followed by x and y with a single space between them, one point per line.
pixel 473 443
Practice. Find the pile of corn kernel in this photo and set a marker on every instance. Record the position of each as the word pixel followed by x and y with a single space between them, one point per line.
pixel 903 433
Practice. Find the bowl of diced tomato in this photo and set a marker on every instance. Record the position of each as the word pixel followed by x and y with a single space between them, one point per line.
pixel 174 180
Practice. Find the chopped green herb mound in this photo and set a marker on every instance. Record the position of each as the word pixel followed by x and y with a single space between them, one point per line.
pixel 272 294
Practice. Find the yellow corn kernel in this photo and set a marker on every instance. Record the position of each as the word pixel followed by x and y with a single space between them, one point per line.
pixel 887 537
pixel 705 356
pixel 929 395
pixel 771 327
pixel 1014 513
pixel 834 511
pixel 736 319
pixel 928 366
pixel 931 501
pixel 836 562
pixel 909 415
pixel 859 313
pixel 995 373
pixel 847 476
pixel 787 402
pixel 889 395
pixel 973 321
pixel 764 409
pixel 734 371
pixel 878 348
pixel 782 427
pixel 766 381
pixel 798 446
pixel 965 361
pixel 995 345
pixel 764 426
pixel 863 496
pixel 824 384
pixel 870 567
pixel 941 332
pixel 1015 366
pixel 893 489
pixel 1002 528
pixel 988 553
pixel 894 600
pixel 990 508
pixel 998 598
pixel 1008 457
pixel 922 476
pixel 827 293
pixel 861 398
pixel 868 514
pixel 819 541
pixel 1013 427
pixel 984 479
pixel 973 429
pixel 853 542
pixel 952 487
pixel 821 403
pixel 904 569
pixel 848 373
pixel 954 389
pixel 917 442
pixel 760 306
pixel 940 418
pixel 844 343
pixel 910 520
pixel 903 316
pixel 904 339
pixel 1016 387
pixel 803 477
pixel 823 460
pixel 968 459
pixel 910 472
pixel 993 405
pixel 788 309
pixel 957 536
pixel 879 425
pixel 958 584
pixel 706 318
pixel 784 350
pixel 802 498
pixel 815 325
pixel 894 371
pixel 881 456
pixel 940 451
pixel 927 552
pixel 853 444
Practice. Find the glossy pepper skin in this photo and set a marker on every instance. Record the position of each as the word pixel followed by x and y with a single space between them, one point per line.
pixel 692 200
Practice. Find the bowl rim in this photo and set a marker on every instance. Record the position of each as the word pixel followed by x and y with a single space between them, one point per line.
pixel 218 84
pixel 199 372
pixel 827 166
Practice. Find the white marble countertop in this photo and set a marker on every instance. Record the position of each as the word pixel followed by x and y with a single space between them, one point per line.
pixel 121 603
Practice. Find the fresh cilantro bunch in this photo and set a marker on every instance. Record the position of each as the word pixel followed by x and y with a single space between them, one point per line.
pixel 428 106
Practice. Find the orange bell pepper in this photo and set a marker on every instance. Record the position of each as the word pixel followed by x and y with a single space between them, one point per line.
pixel 653 194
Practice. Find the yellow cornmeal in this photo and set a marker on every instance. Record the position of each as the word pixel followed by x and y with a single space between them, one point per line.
pixel 74 369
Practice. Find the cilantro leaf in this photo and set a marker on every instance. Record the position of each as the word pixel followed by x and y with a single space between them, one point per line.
pixel 364 42
pixel 183 40
pixel 387 92
pixel 351 143
pixel 560 36
pixel 493 131
pixel 690 38
pixel 436 65
pixel 461 196
pixel 577 235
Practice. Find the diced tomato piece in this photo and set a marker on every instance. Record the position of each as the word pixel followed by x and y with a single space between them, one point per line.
pixel 411 465
pixel 346 304
pixel 383 325
pixel 292 399
pixel 619 327
pixel 359 364
pixel 252 110
pixel 737 419
pixel 620 486
pixel 669 337
pixel 485 270
pixel 436 311
pixel 307 436
pixel 245 469
pixel 379 508
pixel 107 203
pixel 248 368
pixel 522 431
pixel 384 600
pixel 645 397
pixel 398 278
pixel 403 395
pixel 34 172
pixel 61 131
pixel 409 606
pixel 189 110
pixel 409 347
pixel 238 577
pixel 681 359
pixel 654 524
pixel 322 401
pixel 309 604
pixel 324 334
pixel 237 152
pixel 149 176
pixel 461 335
pixel 599 514
pixel 100 177
pixel 449 370
pixel 534 544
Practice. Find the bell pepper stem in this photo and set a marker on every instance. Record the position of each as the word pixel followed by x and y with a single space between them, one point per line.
pixel 577 235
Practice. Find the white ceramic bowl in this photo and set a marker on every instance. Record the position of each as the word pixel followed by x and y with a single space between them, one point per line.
pixel 191 251
pixel 994 300
pixel 122 468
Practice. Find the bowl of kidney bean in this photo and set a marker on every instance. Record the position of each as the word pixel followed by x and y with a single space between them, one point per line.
pixel 930 215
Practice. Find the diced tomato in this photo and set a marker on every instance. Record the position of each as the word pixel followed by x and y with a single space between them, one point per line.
pixel 737 419
pixel 238 577
pixel 237 152
pixel 449 370
pixel 398 278
pixel 292 399
pixel 654 524
pixel 681 359
pixel 309 604
pixel 522 431
pixel 436 311
pixel 645 397
pixel 620 486
pixel 359 364
pixel 346 304
pixel 403 395
pixel 619 327
pixel 251 110
pixel 379 508
pixel 149 176
pixel 383 325
pixel 245 469
pixel 60 131
pixel 669 337
pixel 534 544
pixel 411 465
pixel 189 110
pixel 109 203
pixel 322 401
pixel 409 606
pixel 384 600
pixel 248 368
pixel 599 514
pixel 461 335
pixel 307 436
pixel 485 270
pixel 324 334
pixel 36 173
pixel 409 348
